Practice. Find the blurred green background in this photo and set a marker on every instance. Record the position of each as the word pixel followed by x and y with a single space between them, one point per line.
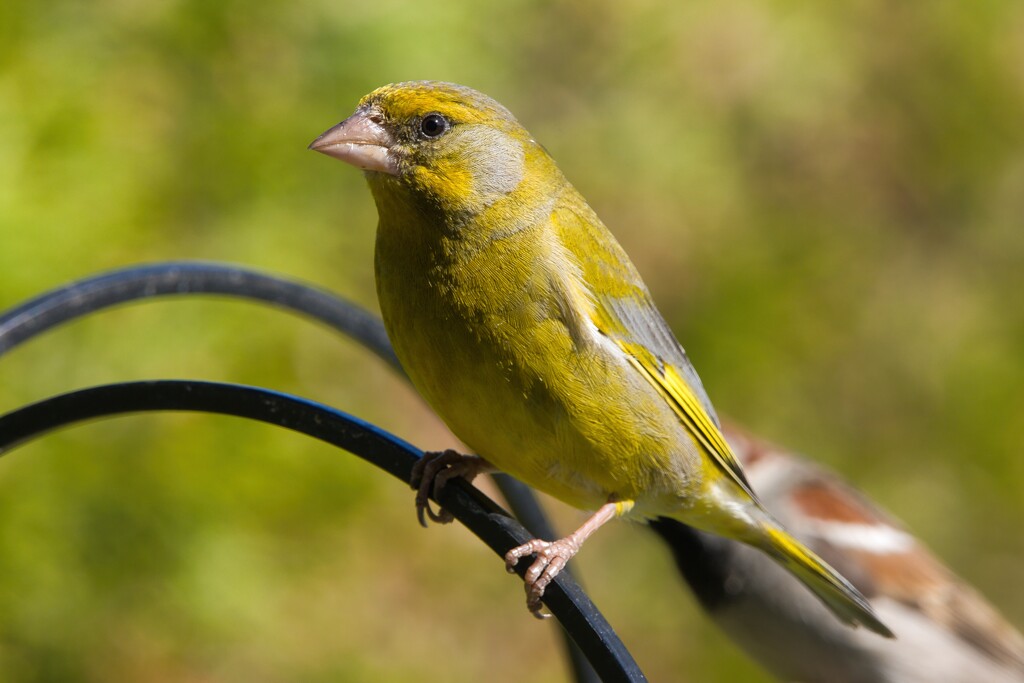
pixel 826 200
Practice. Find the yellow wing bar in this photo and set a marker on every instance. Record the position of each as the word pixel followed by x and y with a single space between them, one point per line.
pixel 686 405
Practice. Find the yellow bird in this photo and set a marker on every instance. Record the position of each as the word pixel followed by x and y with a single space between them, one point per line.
pixel 526 327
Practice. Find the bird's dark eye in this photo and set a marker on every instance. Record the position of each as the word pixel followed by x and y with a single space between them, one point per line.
pixel 433 125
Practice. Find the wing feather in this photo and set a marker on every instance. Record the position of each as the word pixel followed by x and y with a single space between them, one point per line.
pixel 621 309
pixel 687 407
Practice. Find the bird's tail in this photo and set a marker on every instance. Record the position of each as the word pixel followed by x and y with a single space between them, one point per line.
pixel 845 601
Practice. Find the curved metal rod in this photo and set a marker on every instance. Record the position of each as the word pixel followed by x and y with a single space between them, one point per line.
pixel 179 278
pixel 483 517
pixel 176 278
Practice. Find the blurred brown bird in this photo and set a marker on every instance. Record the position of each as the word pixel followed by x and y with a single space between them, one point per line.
pixel 948 633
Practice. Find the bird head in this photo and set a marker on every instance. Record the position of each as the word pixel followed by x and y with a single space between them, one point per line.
pixel 438 145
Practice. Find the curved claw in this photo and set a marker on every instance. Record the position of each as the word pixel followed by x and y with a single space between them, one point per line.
pixel 552 556
pixel 432 472
pixel 424 511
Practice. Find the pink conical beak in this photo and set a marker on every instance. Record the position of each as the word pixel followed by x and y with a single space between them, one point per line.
pixel 360 140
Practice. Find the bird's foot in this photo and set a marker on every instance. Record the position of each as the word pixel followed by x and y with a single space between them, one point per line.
pixel 433 471
pixel 552 556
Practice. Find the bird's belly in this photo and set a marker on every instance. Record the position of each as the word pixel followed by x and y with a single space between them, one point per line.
pixel 576 423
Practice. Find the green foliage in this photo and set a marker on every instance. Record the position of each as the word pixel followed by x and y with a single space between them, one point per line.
pixel 826 201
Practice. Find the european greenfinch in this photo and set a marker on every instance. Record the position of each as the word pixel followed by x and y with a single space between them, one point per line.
pixel 525 326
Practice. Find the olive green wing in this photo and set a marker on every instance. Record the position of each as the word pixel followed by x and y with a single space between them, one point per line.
pixel 610 289
pixel 642 334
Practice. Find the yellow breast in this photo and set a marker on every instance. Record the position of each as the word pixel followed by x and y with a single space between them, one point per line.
pixel 489 347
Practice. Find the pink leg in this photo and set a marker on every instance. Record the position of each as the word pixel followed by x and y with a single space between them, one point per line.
pixel 552 556
pixel 433 471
